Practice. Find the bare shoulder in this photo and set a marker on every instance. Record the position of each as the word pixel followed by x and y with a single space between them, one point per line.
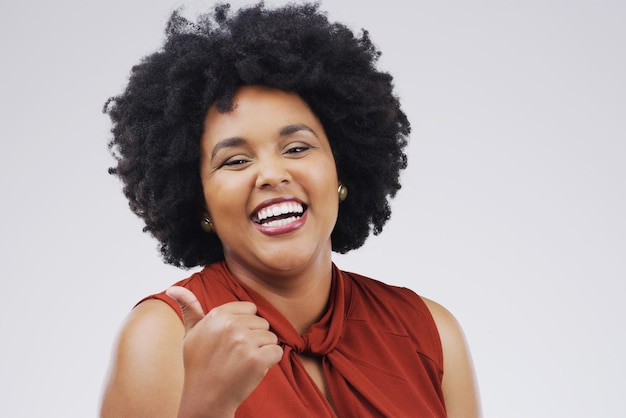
pixel 459 381
pixel 146 372
pixel 447 324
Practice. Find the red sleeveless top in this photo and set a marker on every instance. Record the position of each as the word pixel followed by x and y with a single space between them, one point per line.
pixel 380 350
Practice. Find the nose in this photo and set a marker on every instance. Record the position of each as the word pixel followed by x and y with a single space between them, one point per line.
pixel 272 172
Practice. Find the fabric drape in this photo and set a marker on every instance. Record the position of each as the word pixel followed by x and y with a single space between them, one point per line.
pixel 378 345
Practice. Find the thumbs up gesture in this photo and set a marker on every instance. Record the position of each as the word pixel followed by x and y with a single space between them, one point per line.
pixel 226 354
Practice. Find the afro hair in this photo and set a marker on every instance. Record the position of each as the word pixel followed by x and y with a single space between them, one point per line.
pixel 157 121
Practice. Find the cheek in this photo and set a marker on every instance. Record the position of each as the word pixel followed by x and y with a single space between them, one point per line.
pixel 328 189
pixel 226 196
pixel 214 193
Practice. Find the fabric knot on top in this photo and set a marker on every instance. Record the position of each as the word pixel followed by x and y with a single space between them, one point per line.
pixel 322 336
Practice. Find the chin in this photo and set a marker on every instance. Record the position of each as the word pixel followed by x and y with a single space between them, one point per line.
pixel 293 258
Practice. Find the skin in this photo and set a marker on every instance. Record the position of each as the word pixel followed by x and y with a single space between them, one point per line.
pixel 268 150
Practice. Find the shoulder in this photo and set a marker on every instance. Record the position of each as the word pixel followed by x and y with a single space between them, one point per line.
pixel 377 289
pixel 146 374
pixel 399 301
pixel 397 310
pixel 447 325
pixel 206 284
pixel 151 318
pixel 459 381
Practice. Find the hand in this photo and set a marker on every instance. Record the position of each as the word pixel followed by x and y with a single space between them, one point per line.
pixel 226 354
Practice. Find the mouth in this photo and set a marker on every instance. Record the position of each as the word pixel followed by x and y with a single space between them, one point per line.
pixel 279 214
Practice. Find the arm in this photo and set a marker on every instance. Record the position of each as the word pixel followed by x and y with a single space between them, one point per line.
pixel 460 390
pixel 146 376
pixel 204 368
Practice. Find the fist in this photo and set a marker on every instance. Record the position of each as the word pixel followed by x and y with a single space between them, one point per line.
pixel 226 353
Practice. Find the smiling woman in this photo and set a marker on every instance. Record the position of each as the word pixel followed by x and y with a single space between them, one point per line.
pixel 238 143
pixel 281 159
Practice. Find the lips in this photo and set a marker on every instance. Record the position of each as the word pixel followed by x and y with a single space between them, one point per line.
pixel 279 214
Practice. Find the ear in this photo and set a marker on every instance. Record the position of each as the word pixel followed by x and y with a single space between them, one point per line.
pixel 203 211
pixel 204 218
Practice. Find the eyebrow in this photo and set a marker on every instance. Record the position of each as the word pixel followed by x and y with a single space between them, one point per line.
pixel 237 141
pixel 227 143
pixel 290 129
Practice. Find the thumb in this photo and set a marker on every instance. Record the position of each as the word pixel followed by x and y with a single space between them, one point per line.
pixel 189 305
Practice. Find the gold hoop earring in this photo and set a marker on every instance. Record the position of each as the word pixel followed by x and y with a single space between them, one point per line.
pixel 207 225
pixel 342 192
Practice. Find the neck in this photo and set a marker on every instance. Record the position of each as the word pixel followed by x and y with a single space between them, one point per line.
pixel 300 296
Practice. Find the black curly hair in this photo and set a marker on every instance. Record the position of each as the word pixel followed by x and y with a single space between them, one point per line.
pixel 158 119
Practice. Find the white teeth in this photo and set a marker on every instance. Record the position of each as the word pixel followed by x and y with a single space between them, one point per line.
pixel 279 209
pixel 281 222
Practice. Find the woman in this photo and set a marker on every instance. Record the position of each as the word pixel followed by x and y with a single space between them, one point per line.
pixel 255 144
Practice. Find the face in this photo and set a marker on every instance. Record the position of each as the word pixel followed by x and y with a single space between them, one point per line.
pixel 270 182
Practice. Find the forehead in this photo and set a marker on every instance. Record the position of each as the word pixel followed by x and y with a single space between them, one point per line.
pixel 256 108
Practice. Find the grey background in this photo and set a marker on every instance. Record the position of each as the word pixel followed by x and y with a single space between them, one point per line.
pixel 511 214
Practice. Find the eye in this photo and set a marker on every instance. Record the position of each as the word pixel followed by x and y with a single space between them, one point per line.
pixel 234 162
pixel 297 149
